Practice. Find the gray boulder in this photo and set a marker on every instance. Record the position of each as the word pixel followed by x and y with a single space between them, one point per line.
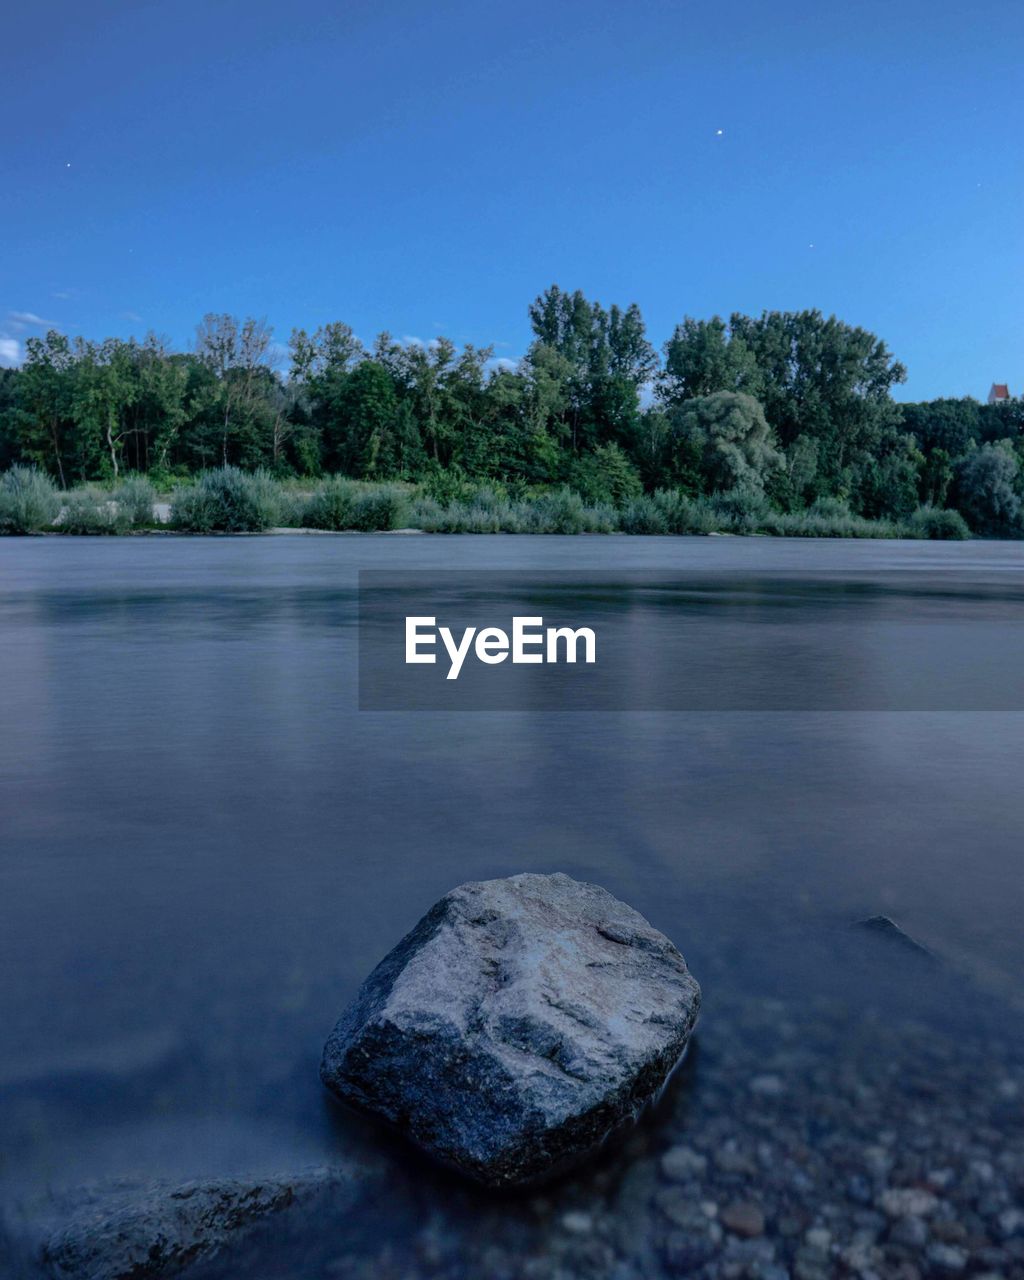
pixel 517 1025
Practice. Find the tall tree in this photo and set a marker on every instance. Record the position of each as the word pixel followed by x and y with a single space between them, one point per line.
pixel 236 354
pixel 701 358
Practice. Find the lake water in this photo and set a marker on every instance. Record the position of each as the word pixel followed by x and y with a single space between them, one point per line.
pixel 206 845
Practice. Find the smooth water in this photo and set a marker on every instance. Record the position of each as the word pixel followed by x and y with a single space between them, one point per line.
pixel 206 846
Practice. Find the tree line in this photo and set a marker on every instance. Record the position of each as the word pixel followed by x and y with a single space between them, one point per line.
pixel 791 409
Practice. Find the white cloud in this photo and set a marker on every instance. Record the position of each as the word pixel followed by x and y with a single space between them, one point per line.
pixel 10 351
pixel 503 362
pixel 21 320
pixel 132 316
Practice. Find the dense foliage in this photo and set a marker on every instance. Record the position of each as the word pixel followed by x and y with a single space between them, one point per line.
pixel 769 418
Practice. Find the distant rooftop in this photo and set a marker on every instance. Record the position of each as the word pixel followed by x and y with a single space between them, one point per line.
pixel 1000 391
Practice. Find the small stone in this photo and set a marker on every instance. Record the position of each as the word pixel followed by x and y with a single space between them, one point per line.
pixel 819 1238
pixel 767 1086
pixel 878 1160
pixel 808 1264
pixel 901 1202
pixel 578 1224
pixel 862 1259
pixel 1010 1223
pixel 743 1217
pixel 730 1160
pixel 947 1257
pixel 680 1210
pixel 680 1164
pixel 684 1253
pixel 909 1231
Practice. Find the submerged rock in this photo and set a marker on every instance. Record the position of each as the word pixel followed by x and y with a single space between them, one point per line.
pixel 127 1232
pixel 884 927
pixel 517 1025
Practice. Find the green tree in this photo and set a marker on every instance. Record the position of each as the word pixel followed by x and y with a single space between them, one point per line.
pixel 236 354
pixel 825 379
pixel 951 425
pixel 702 357
pixel 728 437
pixel 936 478
pixel 601 361
pixel 988 488
pixel 44 403
pixel 605 474
pixel 888 484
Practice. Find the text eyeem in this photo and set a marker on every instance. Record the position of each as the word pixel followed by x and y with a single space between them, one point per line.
pixel 530 642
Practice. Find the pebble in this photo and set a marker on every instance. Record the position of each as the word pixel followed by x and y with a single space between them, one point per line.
pixel 1011 1223
pixel 901 1202
pixel 909 1231
pixel 680 1164
pixel 767 1086
pixel 947 1257
pixel 743 1217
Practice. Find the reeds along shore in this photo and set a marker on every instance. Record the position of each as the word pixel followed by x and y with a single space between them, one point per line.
pixel 229 500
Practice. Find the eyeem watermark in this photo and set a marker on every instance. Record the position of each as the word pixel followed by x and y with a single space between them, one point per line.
pixel 529 644
pixel 693 640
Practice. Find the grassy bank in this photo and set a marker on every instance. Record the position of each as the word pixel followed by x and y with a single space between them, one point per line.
pixel 232 501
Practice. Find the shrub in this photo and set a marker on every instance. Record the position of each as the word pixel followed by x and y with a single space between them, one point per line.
pixel 938 523
pixel 446 487
pixel 562 512
pixel 843 524
pixel 377 509
pixel 427 514
pixel 28 501
pixel 331 505
pixel 293 508
pixel 686 515
pixel 606 475
pixel 671 511
pixel 89 512
pixel 135 498
pixel 743 508
pixel 829 508
pixel 644 515
pixel 227 501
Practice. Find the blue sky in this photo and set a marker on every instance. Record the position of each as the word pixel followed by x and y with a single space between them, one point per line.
pixel 430 168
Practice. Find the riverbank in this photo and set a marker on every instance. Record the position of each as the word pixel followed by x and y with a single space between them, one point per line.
pixel 233 501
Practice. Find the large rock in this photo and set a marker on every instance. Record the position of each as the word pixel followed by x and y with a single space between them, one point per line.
pixel 516 1026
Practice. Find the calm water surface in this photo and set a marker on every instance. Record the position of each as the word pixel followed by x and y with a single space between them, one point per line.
pixel 205 846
